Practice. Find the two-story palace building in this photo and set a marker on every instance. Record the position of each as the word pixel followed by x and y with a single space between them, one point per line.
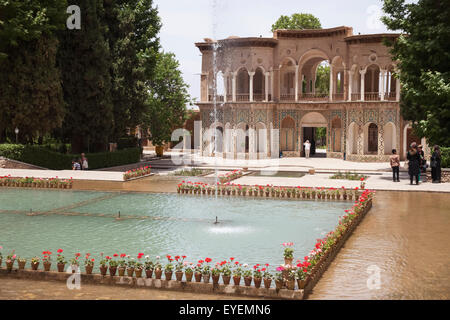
pixel 269 83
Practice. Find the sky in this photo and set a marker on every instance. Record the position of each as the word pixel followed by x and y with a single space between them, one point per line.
pixel 185 22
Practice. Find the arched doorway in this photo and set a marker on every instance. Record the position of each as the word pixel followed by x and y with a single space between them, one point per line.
pixel 314 128
pixel 243 85
pixel 242 139
pixel 372 83
pixel 287 142
pixel 287 80
pixel 389 136
pixel 336 128
pixel 371 139
pixel 261 138
pixel 352 139
pixel 258 85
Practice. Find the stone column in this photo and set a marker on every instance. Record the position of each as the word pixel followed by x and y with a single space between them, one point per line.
pixel 225 87
pixel 296 83
pixel 380 141
pixel 362 73
pixel 251 74
pixel 233 85
pixel 276 85
pixel 383 83
pixel 360 141
pixel 266 87
pixel 331 83
pixel 272 91
pixel 251 142
pixel 397 89
pixel 350 85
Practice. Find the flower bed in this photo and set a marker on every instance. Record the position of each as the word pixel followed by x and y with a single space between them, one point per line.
pixel 30 182
pixel 230 176
pixel 289 277
pixel 137 173
pixel 269 191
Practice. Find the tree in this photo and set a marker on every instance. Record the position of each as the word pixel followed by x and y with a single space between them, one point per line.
pixel 84 59
pixel 423 54
pixel 166 106
pixel 30 83
pixel 132 37
pixel 297 21
pixel 323 79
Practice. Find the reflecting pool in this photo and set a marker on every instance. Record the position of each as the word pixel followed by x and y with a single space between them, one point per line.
pixel 249 229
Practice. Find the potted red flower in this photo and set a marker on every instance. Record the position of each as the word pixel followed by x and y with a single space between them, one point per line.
pixel 103 265
pixel 168 269
pixel 88 263
pixel 47 260
pixel 60 261
pixel 257 275
pixel 267 276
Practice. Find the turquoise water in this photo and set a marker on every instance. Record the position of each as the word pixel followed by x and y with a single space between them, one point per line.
pixel 251 230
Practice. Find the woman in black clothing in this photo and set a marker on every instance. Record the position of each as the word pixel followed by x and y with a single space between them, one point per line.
pixel 414 163
pixel 436 165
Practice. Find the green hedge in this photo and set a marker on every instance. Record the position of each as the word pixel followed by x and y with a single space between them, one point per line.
pixel 42 157
pixel 445 162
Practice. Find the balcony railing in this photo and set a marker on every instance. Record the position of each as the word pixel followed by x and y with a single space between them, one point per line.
pixel 219 98
pixel 313 96
pixel 242 97
pixel 338 96
pixel 372 96
pixel 390 96
pixel 356 96
pixel 259 97
pixel 287 97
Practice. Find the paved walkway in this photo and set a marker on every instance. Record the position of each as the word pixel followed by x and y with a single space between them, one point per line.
pixel 382 181
pixel 64 174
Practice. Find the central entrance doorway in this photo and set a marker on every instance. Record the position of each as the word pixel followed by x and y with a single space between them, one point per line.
pixel 314 129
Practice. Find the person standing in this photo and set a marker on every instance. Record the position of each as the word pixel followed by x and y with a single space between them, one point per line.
pixel 307 145
pixel 413 163
pixel 436 165
pixel 84 162
pixel 395 165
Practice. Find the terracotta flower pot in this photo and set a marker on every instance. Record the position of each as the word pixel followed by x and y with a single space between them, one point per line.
pixel 257 282
pixel 21 264
pixel 179 275
pixel 149 273
pixel 279 284
pixel 112 271
pixel 226 280
pixel 236 280
pixel 206 278
pixel 47 266
pixel 60 267
pixel 103 270
pixel 267 283
pixel 248 281
pixel 189 276
pixel 198 277
pixel 130 272
pixel 216 279
pixel 158 273
pixel 301 283
pixel 121 271
pixel 9 265
pixel 138 273
pixel 168 275
pixel 89 268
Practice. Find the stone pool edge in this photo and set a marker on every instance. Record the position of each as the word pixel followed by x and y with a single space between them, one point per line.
pixel 152 283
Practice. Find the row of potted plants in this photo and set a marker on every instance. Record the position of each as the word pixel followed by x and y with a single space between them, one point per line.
pixel 138 172
pixel 30 182
pixel 312 265
pixel 286 275
pixel 229 176
pixel 269 191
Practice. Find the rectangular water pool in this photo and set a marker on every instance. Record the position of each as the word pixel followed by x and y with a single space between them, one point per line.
pixel 251 230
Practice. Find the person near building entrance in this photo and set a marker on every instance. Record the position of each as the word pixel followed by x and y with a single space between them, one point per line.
pixel 395 165
pixel 413 163
pixel 307 145
pixel 436 165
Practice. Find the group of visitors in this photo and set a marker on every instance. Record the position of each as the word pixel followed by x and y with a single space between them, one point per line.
pixel 81 163
pixel 417 164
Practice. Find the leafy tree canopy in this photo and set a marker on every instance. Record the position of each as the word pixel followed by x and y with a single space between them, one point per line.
pixel 27 20
pixel 297 21
pixel 168 99
pixel 423 54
